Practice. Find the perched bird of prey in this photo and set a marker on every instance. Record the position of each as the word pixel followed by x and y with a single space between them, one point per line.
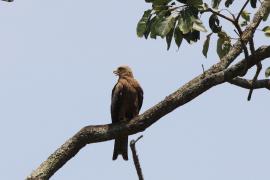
pixel 127 98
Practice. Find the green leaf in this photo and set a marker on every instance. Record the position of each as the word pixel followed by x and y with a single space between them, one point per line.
pixel 153 23
pixel 228 3
pixel 266 28
pixel 215 3
pixel 195 3
pixel 223 47
pixel 244 23
pixel 182 1
pixel 203 7
pixel 164 26
pixel 267 72
pixel 198 25
pixel 193 36
pixel 158 2
pixel 148 28
pixel 178 36
pixel 253 3
pixel 159 8
pixel 223 44
pixel 169 37
pixel 266 31
pixel 153 35
pixel 220 41
pixel 224 35
pixel 185 21
pixel 220 53
pixel 142 24
pixel 245 15
pixel 214 24
pixel 206 45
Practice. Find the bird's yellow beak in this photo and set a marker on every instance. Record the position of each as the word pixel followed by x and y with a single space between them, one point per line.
pixel 115 72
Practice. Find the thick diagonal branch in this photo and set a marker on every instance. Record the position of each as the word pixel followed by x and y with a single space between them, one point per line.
pixel 93 134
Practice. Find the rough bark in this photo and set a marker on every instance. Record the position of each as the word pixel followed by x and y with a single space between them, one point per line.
pixel 217 74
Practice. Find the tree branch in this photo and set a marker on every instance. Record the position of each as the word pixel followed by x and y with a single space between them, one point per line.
pixel 99 133
pixel 258 70
pixel 247 35
pixel 247 84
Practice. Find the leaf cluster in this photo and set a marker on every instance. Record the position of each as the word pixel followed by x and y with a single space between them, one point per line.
pixel 172 19
pixel 181 19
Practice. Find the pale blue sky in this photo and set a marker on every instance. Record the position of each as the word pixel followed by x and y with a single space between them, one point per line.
pixel 56 65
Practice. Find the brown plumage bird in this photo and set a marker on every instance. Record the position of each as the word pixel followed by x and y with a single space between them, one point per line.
pixel 127 98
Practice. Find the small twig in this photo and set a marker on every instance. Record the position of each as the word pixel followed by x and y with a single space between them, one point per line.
pixel 242 9
pixel 239 32
pixel 236 33
pixel 176 7
pixel 245 49
pixel 203 69
pixel 136 158
pixel 259 68
pixel 218 14
pixel 203 75
pixel 228 12
pixel 251 45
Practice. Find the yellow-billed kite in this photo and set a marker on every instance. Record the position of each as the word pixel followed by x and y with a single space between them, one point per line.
pixel 127 98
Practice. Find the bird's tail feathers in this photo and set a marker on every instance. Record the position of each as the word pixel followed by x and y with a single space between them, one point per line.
pixel 121 147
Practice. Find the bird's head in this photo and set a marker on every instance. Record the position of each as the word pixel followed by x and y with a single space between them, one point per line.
pixel 122 71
